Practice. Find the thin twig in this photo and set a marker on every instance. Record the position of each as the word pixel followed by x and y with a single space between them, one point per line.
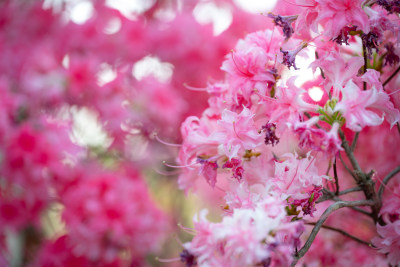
pixel 349 153
pixel 322 219
pixel 350 190
pixel 345 166
pixel 386 180
pixel 364 180
pixel 342 232
pixel 391 76
pixel 329 195
pixel 354 143
pixel 336 177
pixel 329 167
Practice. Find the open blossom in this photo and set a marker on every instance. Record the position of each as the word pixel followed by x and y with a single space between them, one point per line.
pixel 239 132
pixel 242 195
pixel 289 103
pixel 247 237
pixel 252 64
pixel 295 176
pixel 389 241
pixel 200 137
pixel 332 15
pixel 337 70
pixel 365 108
pixel 318 139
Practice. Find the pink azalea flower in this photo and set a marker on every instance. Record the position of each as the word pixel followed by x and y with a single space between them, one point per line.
pixel 33 161
pixel 318 139
pixel 295 176
pixel 338 14
pixel 333 16
pixel 239 132
pixel 251 65
pixel 289 103
pixel 245 238
pixel 389 241
pixel 337 71
pixel 365 108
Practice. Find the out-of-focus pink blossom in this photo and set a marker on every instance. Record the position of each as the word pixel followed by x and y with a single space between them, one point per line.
pixel 389 241
pixel 115 213
pixel 59 253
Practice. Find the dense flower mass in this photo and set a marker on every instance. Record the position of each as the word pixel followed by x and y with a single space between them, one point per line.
pixel 246 237
pixel 304 137
pixel 289 138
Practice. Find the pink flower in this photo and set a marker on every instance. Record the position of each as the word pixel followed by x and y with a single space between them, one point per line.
pixel 239 132
pixel 333 16
pixel 389 241
pixel 60 253
pixel 247 237
pixel 337 71
pixel 289 103
pixel 365 108
pixel 338 14
pixel 318 139
pixel 116 214
pixel 32 162
pixel 251 65
pixel 295 176
pixel 200 138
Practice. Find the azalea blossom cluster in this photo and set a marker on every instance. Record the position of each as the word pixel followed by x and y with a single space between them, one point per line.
pixel 298 174
pixel 291 143
pixel 55 68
